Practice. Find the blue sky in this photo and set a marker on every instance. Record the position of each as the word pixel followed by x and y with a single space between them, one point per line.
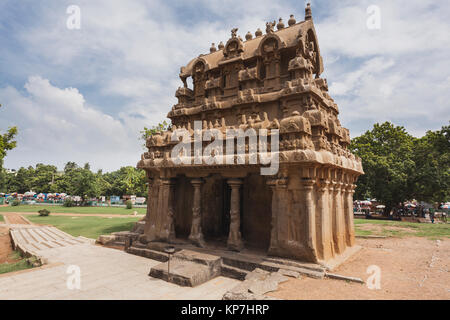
pixel 84 95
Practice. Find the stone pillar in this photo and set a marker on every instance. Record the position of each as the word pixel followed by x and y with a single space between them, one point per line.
pixel 150 192
pixel 279 187
pixel 331 214
pixel 338 232
pixel 324 232
pixel 234 237
pixel 168 233
pixel 196 235
pixel 308 186
pixel 150 229
pixel 349 225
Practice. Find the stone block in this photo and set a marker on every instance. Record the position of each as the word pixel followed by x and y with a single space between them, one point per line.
pixel 183 273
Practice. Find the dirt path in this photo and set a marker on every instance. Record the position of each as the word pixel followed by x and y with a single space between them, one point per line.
pixel 14 218
pixel 411 268
pixel 82 215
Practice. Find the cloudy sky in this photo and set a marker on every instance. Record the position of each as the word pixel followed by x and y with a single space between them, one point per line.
pixel 84 94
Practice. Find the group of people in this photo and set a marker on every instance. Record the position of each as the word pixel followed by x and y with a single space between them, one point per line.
pixel 422 211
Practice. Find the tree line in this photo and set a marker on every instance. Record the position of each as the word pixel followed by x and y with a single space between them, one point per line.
pixel 74 180
pixel 399 167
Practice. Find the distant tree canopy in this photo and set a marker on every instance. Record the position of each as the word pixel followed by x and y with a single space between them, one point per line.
pixel 399 167
pixel 76 180
pixel 7 143
pixel 431 180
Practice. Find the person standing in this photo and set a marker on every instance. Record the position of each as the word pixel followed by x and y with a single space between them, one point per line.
pixel 432 215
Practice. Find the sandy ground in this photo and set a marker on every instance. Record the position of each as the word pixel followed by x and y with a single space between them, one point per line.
pixel 5 239
pixel 411 268
pixel 5 245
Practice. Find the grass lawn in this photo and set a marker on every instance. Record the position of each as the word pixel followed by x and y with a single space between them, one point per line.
pixel 1 218
pixel 90 227
pixel 401 229
pixel 62 209
pixel 21 264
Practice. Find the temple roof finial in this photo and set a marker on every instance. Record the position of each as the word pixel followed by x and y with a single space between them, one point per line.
pixel 292 20
pixel 308 12
pixel 280 24
pixel 234 32
pixel 213 48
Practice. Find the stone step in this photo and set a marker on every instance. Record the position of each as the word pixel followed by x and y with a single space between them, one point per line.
pixel 117 243
pixel 148 253
pixel 304 265
pixel 232 272
pixel 183 273
pixel 124 235
pixel 244 264
pixel 209 260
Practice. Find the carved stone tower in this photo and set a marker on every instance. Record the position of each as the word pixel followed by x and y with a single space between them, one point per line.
pixel 270 81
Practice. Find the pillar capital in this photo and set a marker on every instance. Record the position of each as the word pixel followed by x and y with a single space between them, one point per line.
pixel 234 182
pixel 346 187
pixel 308 184
pixel 337 186
pixel 168 181
pixel 323 185
pixel 332 185
pixel 277 182
pixel 197 182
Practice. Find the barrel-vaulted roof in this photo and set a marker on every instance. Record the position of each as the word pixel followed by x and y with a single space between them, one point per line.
pixel 287 37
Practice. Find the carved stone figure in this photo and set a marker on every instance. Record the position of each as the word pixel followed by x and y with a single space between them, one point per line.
pixel 270 26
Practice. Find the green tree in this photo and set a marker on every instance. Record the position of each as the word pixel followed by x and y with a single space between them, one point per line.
pixel 432 158
pixel 126 181
pixel 69 166
pixel 7 143
pixel 103 185
pixel 82 182
pixel 387 158
pixel 21 181
pixel 44 178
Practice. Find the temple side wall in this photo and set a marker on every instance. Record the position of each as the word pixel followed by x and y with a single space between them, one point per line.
pixel 312 215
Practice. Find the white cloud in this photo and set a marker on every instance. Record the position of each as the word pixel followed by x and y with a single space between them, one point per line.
pixel 393 74
pixel 56 125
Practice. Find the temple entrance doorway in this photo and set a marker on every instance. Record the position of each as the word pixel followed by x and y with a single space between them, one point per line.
pixel 255 201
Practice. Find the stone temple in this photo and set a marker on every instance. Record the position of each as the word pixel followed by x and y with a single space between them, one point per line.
pixel 270 80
